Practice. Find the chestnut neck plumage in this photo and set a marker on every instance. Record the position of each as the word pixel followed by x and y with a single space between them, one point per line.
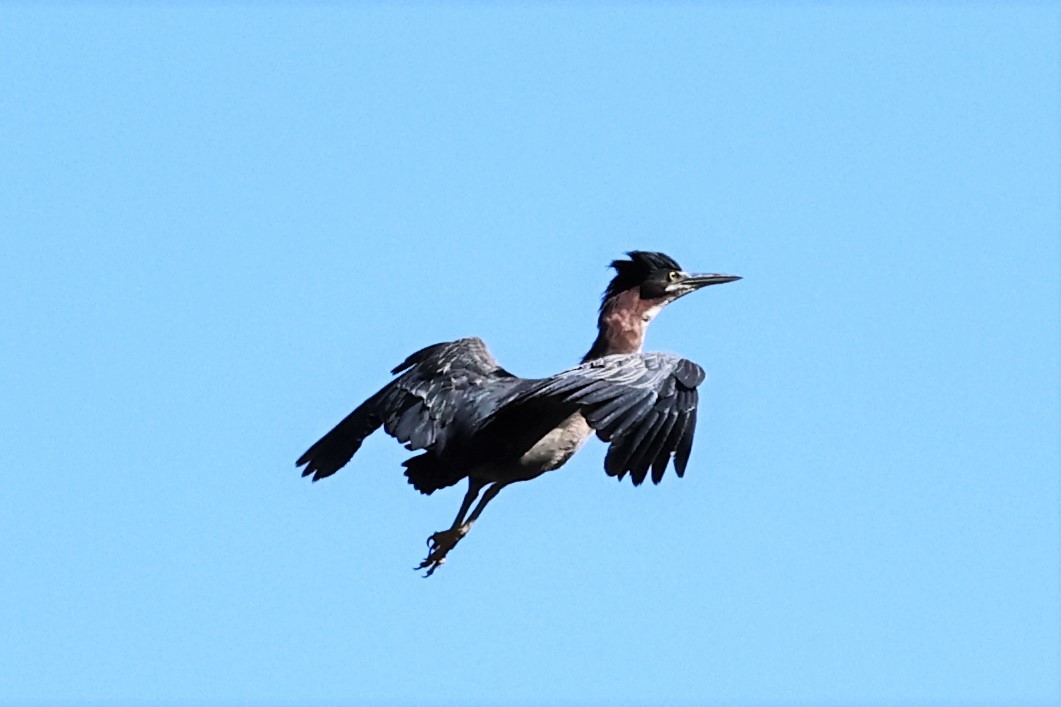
pixel 623 321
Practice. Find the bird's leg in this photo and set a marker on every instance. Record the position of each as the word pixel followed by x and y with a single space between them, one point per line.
pixel 490 493
pixel 443 541
pixel 462 529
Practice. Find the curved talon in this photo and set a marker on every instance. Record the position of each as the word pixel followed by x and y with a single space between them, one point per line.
pixel 431 566
pixel 432 563
pixel 439 544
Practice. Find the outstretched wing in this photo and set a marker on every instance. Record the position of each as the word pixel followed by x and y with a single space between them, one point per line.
pixel 425 407
pixel 643 404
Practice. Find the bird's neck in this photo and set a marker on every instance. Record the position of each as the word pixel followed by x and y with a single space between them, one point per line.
pixel 623 321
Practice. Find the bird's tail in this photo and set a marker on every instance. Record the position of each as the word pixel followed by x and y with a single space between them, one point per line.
pixel 332 451
pixel 427 474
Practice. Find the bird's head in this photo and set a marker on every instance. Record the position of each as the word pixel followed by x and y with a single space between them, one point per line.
pixel 642 286
pixel 658 278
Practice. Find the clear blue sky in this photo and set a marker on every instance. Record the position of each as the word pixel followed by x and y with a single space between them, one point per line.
pixel 222 226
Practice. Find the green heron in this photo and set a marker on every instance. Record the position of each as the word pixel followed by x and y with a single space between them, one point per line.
pixel 474 420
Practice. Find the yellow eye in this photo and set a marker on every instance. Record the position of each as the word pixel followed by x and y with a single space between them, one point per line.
pixel 674 276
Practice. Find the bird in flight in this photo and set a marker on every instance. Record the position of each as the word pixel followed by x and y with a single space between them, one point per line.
pixel 471 419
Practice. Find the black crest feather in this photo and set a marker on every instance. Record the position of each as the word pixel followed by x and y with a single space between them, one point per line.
pixel 632 272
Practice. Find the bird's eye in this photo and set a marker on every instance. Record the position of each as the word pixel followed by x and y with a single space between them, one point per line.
pixel 674 276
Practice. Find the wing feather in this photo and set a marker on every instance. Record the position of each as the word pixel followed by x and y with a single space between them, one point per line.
pixel 685 443
pixel 643 405
pixel 434 400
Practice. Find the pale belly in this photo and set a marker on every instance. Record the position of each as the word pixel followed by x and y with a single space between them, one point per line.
pixel 548 453
pixel 558 446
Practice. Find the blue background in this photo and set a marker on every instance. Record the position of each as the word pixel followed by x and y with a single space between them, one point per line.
pixel 222 225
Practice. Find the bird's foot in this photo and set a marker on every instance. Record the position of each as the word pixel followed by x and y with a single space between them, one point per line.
pixel 441 543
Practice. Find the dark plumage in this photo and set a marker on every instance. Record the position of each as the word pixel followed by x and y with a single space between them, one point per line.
pixel 638 269
pixel 475 420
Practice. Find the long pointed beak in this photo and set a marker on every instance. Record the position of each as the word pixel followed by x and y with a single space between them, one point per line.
pixel 704 279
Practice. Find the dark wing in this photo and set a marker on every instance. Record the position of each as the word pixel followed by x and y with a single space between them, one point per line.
pixel 432 402
pixel 643 404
